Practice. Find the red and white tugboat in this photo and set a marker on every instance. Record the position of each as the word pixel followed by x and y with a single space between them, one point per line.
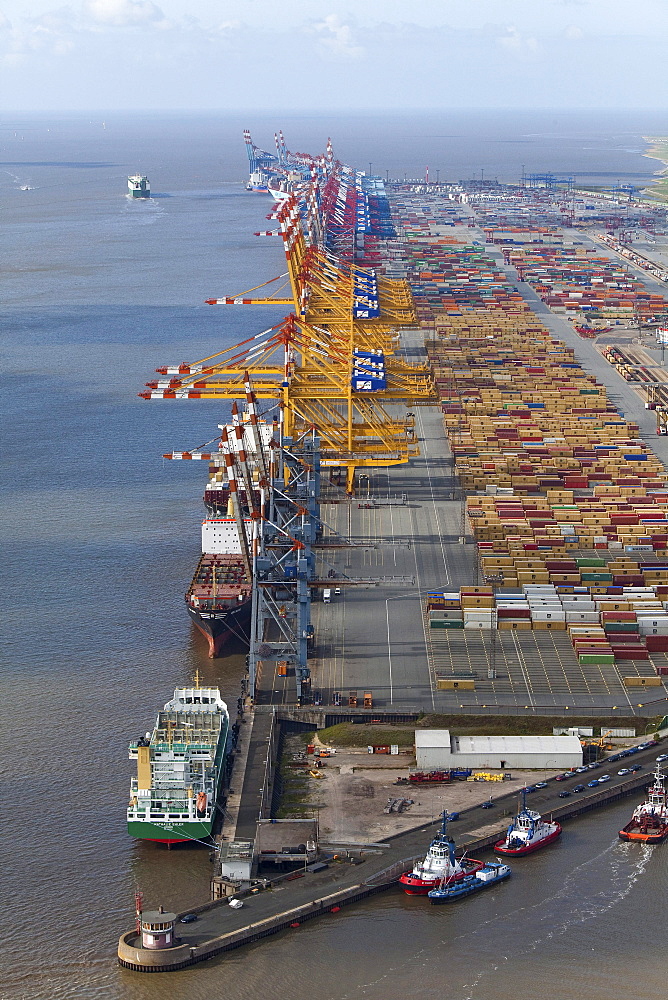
pixel 649 822
pixel 527 832
pixel 439 864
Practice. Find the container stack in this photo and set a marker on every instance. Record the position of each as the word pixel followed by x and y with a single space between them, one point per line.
pixel 577 280
pixel 629 625
pixel 568 506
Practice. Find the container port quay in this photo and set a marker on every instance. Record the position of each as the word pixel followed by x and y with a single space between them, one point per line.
pixel 447 492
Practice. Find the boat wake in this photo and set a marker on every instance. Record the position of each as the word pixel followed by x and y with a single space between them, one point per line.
pixel 589 891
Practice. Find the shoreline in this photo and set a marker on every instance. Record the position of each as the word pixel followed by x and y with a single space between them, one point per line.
pixel 657 150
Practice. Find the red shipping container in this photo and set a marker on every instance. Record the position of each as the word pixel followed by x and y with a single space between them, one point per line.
pixel 630 653
pixel 657 643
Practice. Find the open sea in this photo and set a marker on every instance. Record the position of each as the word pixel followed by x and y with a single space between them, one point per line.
pixel 100 536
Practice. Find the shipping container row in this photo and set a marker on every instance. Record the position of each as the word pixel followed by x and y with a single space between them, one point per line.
pixel 561 490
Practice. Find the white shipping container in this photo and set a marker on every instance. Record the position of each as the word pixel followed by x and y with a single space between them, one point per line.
pixel 548 616
pixel 582 616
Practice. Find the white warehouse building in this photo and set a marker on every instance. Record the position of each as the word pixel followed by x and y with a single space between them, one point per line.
pixel 436 750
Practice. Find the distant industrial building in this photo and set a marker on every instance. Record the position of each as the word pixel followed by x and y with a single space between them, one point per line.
pixel 437 749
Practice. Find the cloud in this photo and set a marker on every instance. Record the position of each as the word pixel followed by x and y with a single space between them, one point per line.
pixel 573 32
pixel 336 38
pixel 514 41
pixel 123 13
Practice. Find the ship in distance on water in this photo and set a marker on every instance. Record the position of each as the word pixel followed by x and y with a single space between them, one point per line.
pixel 180 769
pixel 138 186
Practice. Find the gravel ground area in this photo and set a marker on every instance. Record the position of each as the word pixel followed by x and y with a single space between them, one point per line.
pixel 351 797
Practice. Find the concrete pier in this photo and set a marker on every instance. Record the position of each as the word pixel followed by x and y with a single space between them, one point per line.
pixel 288 903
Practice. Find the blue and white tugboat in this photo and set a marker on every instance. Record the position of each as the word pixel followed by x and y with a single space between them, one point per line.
pixel 527 832
pixel 451 889
pixel 438 865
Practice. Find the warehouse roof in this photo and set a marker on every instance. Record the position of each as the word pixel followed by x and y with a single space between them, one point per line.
pixel 516 744
pixel 440 738
pixel 432 737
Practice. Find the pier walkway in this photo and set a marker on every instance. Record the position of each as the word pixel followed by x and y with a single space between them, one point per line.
pixel 288 903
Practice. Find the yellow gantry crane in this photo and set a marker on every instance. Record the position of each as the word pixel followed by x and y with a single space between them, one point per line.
pixel 330 363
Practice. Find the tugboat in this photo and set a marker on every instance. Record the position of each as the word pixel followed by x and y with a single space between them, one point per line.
pixel 527 832
pixel 449 890
pixel 438 865
pixel 649 822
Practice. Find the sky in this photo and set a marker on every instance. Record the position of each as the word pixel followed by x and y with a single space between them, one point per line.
pixel 333 54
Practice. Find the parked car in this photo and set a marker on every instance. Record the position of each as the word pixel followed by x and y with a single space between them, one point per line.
pixel 189 918
pixel 604 777
pixel 486 805
pixel 579 788
pixel 593 783
pixel 540 784
pixel 624 770
pixel 561 777
pixel 636 767
pixel 581 770
pixel 662 756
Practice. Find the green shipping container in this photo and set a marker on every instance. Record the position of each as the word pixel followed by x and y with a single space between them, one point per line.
pixel 446 624
pixel 596 659
pixel 620 627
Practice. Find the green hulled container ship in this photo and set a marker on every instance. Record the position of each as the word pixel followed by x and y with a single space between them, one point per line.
pixel 180 769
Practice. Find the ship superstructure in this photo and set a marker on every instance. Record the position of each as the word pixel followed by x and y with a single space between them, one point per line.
pixel 180 768
pixel 138 186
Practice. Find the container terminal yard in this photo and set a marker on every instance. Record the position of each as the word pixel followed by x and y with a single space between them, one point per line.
pixel 464 506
